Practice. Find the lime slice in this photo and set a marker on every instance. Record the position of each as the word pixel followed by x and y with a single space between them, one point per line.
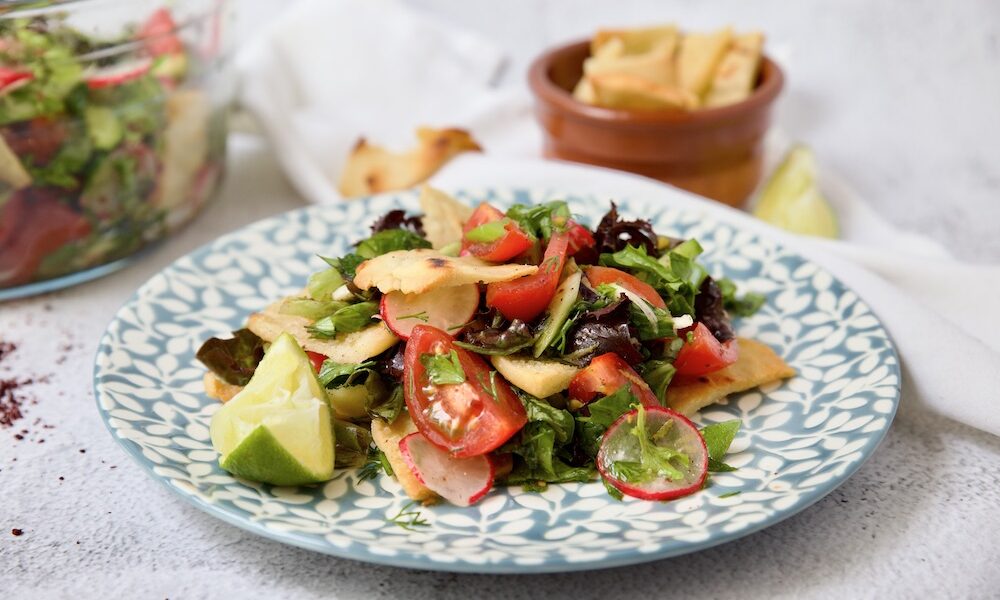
pixel 277 430
pixel 791 199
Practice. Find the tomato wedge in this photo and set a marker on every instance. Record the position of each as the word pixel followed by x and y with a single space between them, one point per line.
pixel 469 418
pixel 580 238
pixel 703 354
pixel 316 359
pixel 32 229
pixel 510 243
pixel 601 275
pixel 527 297
pixel 159 35
pixel 604 376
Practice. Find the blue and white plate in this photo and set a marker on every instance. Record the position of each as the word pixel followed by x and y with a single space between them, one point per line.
pixel 799 440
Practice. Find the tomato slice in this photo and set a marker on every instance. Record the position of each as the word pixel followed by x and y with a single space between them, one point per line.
pixel 604 376
pixel 44 225
pixel 703 354
pixel 511 243
pixel 601 275
pixel 316 359
pixel 580 238
pixel 527 297
pixel 468 419
pixel 159 35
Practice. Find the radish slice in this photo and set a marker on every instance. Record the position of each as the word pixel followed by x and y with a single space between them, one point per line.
pixel 447 309
pixel 620 459
pixel 461 481
pixel 118 74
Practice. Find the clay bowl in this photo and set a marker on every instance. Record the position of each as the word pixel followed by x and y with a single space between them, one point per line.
pixel 716 152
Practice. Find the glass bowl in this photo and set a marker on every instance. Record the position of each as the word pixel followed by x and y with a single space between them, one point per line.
pixel 112 131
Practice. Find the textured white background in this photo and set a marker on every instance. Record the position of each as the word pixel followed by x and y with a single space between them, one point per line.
pixel 899 97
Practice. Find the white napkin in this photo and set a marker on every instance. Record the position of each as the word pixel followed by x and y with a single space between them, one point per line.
pixel 326 73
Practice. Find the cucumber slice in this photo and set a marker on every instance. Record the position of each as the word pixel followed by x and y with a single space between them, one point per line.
pixel 559 307
pixel 103 127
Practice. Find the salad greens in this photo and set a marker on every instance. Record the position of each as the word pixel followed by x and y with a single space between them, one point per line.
pixel 105 144
pixel 234 359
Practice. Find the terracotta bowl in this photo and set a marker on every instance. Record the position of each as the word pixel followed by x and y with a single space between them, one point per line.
pixel 716 152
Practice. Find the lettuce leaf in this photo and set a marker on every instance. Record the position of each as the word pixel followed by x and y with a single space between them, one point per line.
pixel 233 360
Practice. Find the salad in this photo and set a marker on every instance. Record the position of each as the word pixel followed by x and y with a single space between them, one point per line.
pixel 105 144
pixel 472 348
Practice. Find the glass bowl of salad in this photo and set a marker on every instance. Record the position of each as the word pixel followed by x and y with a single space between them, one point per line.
pixel 112 132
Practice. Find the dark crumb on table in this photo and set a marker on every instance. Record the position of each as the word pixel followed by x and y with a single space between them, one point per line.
pixel 62 478
pixel 16 532
pixel 83 451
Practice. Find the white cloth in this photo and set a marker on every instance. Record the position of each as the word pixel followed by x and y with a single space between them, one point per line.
pixel 327 73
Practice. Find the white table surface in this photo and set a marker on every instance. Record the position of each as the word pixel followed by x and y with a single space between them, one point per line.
pixel 901 99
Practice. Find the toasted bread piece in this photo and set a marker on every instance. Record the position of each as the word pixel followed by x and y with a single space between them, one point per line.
pixel 415 271
pixel 444 216
pixel 757 365
pixel 634 41
pixel 372 169
pixel 346 348
pixel 656 65
pixel 219 389
pixel 539 377
pixel 617 90
pixel 699 55
pixel 387 437
pixel 736 74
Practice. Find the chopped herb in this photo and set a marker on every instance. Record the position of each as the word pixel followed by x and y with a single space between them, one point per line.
pixel 718 437
pixel 658 374
pixel 420 316
pixel 730 494
pixel 353 442
pixel 390 240
pixel 335 374
pixel 408 518
pixel 352 317
pixel 377 461
pixel 443 369
pixel 490 390
pixel 743 306
pixel 541 220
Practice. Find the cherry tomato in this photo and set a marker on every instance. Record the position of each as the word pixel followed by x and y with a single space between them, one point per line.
pixel 158 34
pixel 604 376
pixel 512 243
pixel 527 297
pixel 580 238
pixel 601 275
pixel 468 419
pixel 704 354
pixel 316 359
pixel 43 225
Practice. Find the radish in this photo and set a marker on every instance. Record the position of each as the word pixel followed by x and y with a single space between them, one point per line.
pixel 11 79
pixel 461 481
pixel 447 308
pixel 117 74
pixel 632 464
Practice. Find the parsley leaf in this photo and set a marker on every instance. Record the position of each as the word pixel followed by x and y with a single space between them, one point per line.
pixel 718 438
pixel 443 369
pixel 335 374
pixel 352 444
pixel 540 220
pixel 352 317
pixel 743 306
pixel 390 240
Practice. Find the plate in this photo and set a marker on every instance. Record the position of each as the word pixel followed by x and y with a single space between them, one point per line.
pixel 799 439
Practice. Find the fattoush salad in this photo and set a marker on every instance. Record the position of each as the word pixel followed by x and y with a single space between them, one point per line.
pixel 470 347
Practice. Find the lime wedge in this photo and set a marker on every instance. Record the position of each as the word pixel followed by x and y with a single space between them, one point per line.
pixel 791 198
pixel 277 430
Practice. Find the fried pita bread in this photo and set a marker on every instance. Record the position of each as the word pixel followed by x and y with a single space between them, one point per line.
pixel 656 65
pixel 634 41
pixel 372 169
pixel 616 90
pixel 757 365
pixel 737 71
pixel 351 347
pixel 219 389
pixel 699 54
pixel 386 437
pixel 416 271
pixel 443 216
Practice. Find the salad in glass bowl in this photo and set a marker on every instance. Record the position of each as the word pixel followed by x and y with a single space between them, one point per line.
pixel 473 347
pixel 107 141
